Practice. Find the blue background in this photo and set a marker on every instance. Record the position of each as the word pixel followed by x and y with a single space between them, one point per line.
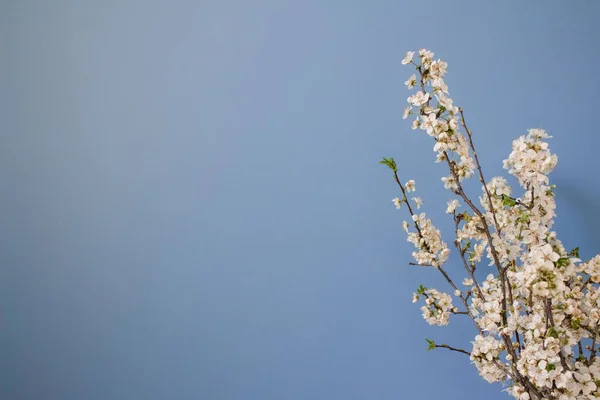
pixel 191 205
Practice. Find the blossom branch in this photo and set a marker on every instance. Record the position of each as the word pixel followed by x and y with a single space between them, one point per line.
pixel 546 302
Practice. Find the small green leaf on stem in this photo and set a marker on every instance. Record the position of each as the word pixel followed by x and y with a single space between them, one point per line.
pixel 574 252
pixel 391 164
pixel 562 262
pixel 508 201
pixel 431 344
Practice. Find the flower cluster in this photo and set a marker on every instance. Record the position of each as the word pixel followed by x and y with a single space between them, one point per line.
pixel 438 307
pixel 537 312
pixel 431 249
pixel 438 116
pixel 485 354
pixel 530 160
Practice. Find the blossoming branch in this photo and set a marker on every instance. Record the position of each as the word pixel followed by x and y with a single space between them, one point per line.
pixel 536 315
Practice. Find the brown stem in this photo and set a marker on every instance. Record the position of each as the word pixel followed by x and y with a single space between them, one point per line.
pixel 470 271
pixel 405 199
pixel 501 273
pixel 479 169
pixel 464 301
pixel 445 346
pixel 550 320
pixel 460 312
pixel 593 348
pixel 439 268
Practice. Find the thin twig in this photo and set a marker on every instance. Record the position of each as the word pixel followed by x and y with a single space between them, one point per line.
pixel 479 169
pixel 445 346
pixel 593 348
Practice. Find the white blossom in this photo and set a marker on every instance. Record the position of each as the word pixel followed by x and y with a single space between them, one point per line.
pixel 438 307
pixel 425 54
pixel 418 201
pixel 405 226
pixel 452 205
pixel 410 83
pixel 408 58
pixel 418 99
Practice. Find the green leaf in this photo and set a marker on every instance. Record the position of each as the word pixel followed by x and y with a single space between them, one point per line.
pixel 552 332
pixel 574 252
pixel 550 367
pixel 464 216
pixel 523 217
pixel 421 289
pixel 575 323
pixel 431 344
pixel 562 262
pixel 391 164
pixel 508 201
